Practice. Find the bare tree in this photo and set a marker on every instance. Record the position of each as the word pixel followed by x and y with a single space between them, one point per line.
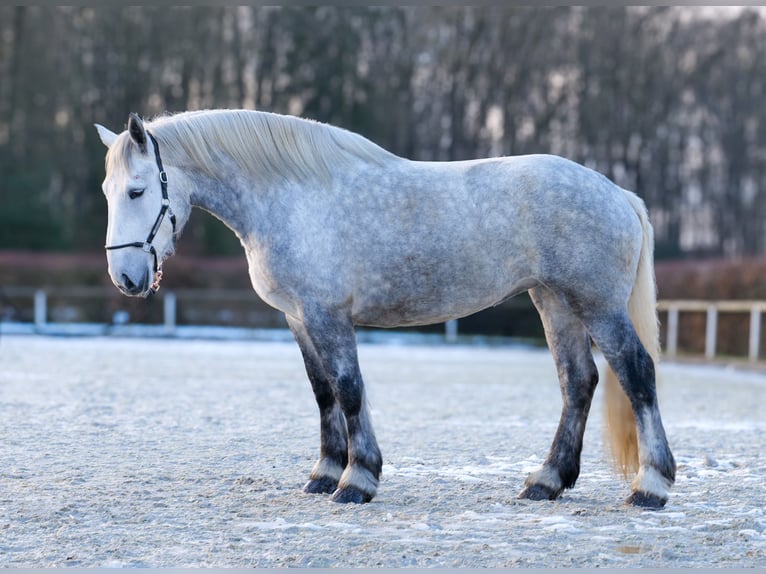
pixel 664 102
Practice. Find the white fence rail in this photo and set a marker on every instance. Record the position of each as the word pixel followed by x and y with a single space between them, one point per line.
pixel 673 308
pixel 712 309
pixel 121 323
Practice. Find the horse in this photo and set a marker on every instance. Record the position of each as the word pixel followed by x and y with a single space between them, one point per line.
pixel 339 232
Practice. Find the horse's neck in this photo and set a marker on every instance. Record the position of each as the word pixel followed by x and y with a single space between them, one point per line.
pixel 249 207
pixel 225 200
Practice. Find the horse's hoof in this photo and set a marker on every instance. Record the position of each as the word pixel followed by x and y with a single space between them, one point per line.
pixel 350 494
pixel 538 492
pixel 646 500
pixel 322 485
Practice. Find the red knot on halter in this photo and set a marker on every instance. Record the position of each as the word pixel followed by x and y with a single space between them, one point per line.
pixel 164 208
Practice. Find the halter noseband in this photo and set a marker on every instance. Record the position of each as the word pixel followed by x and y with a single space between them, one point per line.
pixel 164 208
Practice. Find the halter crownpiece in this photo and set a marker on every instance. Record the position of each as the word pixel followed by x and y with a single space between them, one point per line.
pixel 164 208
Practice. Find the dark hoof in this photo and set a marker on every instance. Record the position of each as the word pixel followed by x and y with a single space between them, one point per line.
pixel 646 500
pixel 350 494
pixel 538 492
pixel 320 486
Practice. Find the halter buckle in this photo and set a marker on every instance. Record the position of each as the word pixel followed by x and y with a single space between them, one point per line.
pixel 166 201
pixel 147 247
pixel 163 176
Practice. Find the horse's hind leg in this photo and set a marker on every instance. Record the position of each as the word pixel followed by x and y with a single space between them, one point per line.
pixel 331 336
pixel 570 346
pixel 616 337
pixel 333 450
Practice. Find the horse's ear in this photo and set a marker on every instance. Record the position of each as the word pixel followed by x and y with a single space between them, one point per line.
pixel 137 131
pixel 107 136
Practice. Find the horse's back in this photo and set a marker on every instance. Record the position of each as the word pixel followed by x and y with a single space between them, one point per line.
pixel 453 238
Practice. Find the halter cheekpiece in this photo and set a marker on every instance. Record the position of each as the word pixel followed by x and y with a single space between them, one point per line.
pixel 164 209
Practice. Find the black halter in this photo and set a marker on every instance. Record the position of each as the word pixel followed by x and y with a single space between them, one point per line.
pixel 164 208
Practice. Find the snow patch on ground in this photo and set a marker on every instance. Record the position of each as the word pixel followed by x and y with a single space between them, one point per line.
pixel 132 453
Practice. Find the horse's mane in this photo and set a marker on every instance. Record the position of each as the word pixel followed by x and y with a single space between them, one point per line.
pixel 265 145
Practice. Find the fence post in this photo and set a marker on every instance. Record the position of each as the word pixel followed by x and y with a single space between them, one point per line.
pixel 711 329
pixel 755 333
pixel 169 312
pixel 672 335
pixel 450 330
pixel 41 309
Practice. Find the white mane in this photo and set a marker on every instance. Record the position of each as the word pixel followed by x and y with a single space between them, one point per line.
pixel 265 145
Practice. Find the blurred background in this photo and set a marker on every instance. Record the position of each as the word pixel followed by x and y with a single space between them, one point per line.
pixel 666 101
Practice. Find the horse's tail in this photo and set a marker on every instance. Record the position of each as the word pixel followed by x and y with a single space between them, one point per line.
pixel 642 308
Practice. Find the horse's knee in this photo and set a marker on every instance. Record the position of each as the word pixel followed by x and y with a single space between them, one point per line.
pixel 349 393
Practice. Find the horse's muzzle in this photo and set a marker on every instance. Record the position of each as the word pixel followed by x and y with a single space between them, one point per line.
pixel 132 287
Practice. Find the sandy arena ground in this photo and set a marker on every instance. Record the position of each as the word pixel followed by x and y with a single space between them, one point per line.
pixel 130 452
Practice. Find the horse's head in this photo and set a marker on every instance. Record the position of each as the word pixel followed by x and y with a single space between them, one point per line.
pixel 141 225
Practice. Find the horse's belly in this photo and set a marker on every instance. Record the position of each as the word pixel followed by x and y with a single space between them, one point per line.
pixel 387 308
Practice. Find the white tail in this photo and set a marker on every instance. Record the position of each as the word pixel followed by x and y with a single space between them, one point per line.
pixel 642 308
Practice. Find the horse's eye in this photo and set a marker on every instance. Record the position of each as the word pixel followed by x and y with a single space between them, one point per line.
pixel 134 193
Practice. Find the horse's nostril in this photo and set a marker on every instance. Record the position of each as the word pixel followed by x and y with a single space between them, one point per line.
pixel 129 285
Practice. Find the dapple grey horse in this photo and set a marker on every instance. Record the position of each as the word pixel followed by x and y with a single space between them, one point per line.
pixel 339 232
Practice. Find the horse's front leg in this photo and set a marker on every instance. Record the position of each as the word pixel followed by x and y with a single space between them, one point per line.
pixel 349 455
pixel 333 449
